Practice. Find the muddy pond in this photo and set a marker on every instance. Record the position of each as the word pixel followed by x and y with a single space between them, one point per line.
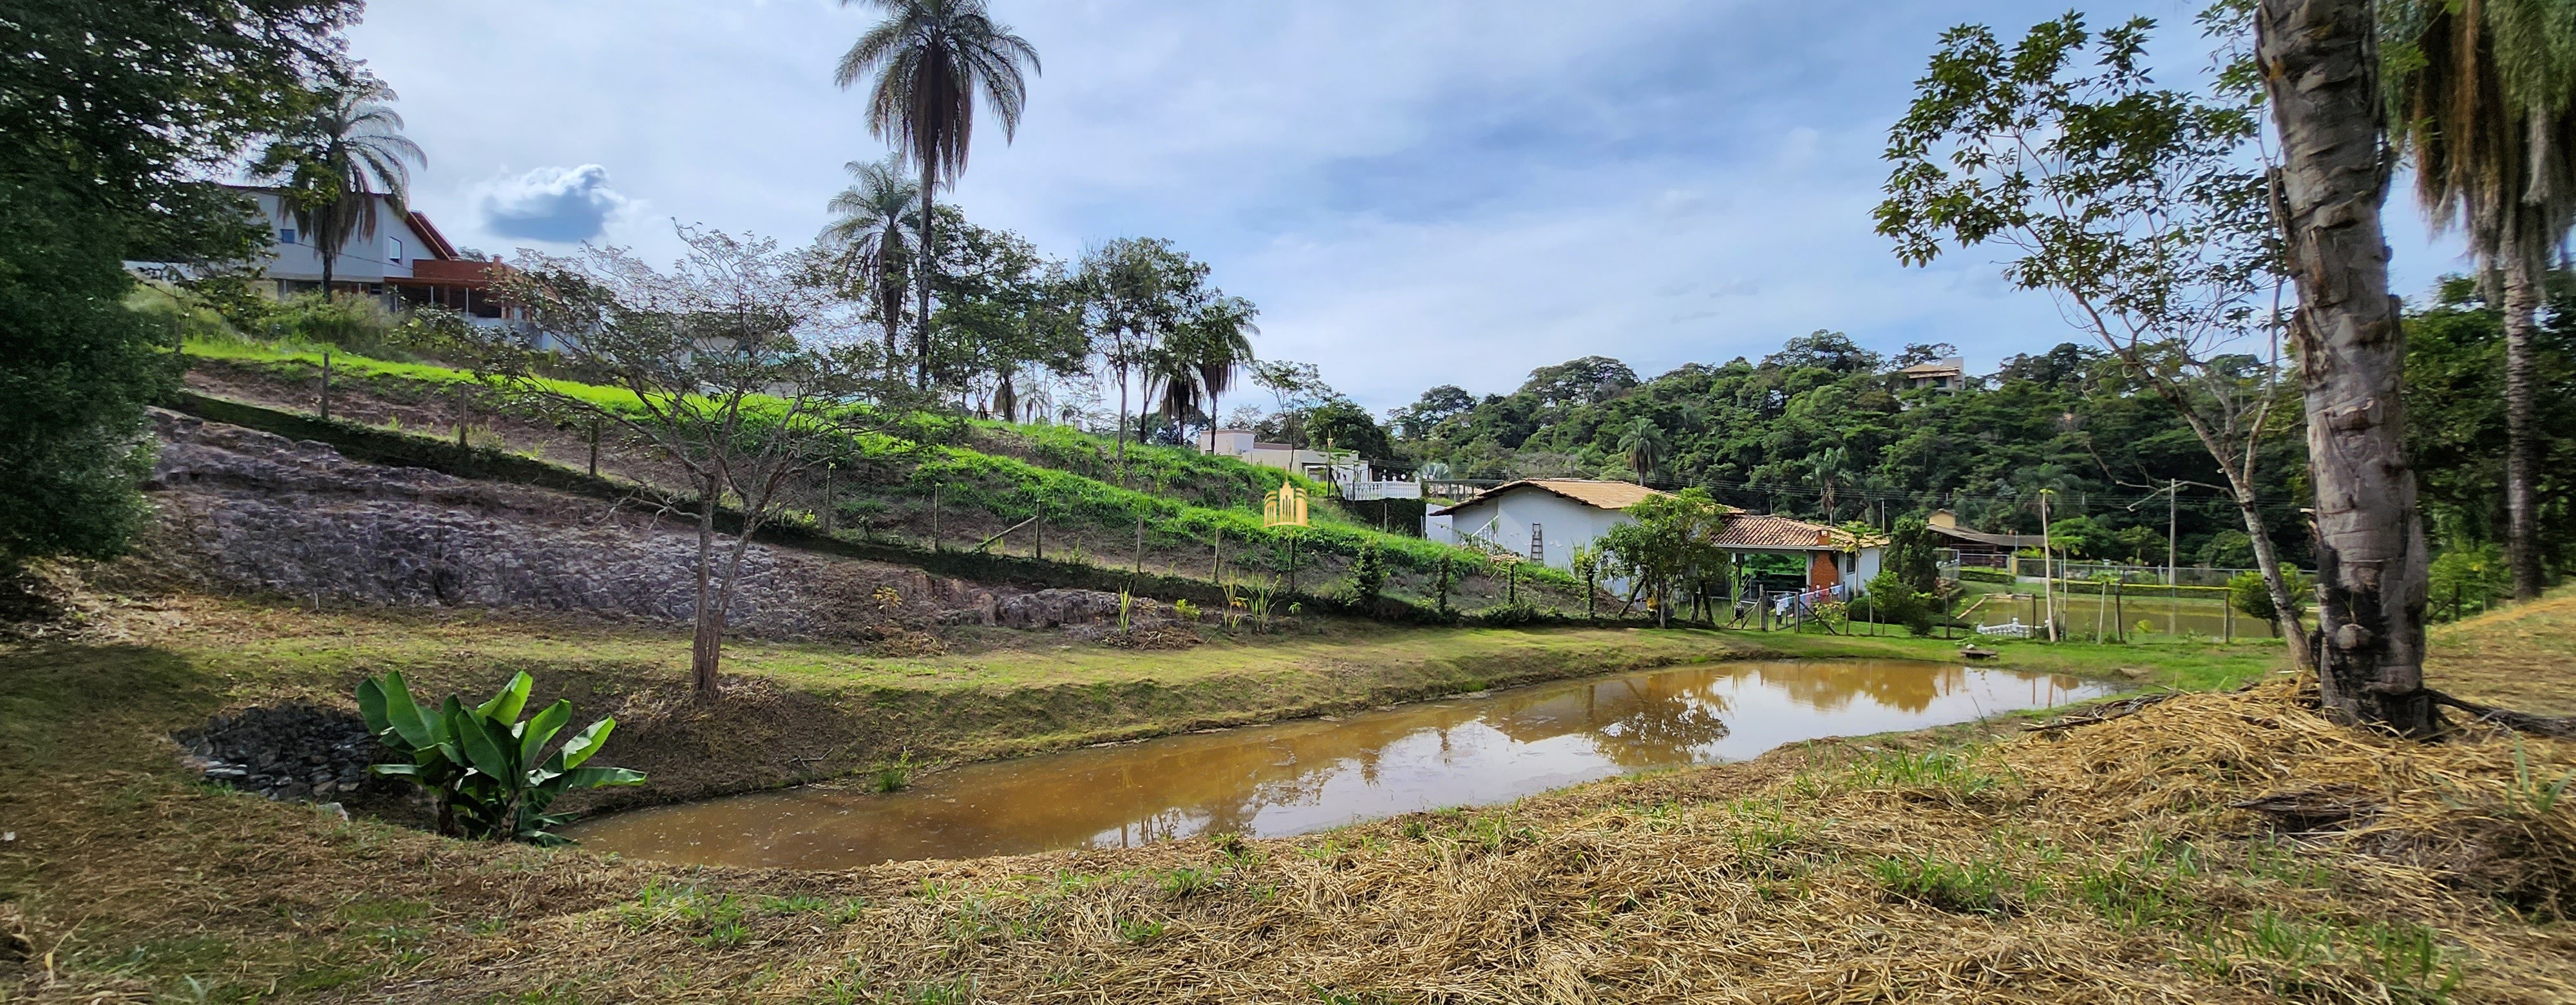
pixel 1310 774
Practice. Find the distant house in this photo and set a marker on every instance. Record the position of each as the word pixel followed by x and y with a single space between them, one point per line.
pixel 1948 374
pixel 1545 519
pixel 1975 547
pixel 1353 477
pixel 406 262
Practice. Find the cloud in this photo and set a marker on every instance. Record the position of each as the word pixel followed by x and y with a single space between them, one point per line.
pixel 554 204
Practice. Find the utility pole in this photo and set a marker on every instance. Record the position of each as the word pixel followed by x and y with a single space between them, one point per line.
pixel 2173 576
pixel 2047 566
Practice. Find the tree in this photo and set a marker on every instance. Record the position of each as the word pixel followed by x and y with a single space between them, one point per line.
pixel 1911 556
pixel 1667 542
pixel 1215 341
pixel 115 115
pixel 336 162
pixel 1133 291
pixel 872 222
pixel 2321 72
pixel 2131 202
pixel 736 371
pixel 2483 96
pixel 1343 425
pixel 1643 444
pixel 931 58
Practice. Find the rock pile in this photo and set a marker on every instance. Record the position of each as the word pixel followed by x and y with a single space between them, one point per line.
pixel 298 751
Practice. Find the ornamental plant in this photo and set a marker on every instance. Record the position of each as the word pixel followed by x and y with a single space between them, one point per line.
pixel 488 769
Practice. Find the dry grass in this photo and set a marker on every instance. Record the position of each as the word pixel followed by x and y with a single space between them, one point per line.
pixel 2521 657
pixel 2211 847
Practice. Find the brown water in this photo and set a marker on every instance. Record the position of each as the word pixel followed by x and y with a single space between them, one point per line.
pixel 1311 774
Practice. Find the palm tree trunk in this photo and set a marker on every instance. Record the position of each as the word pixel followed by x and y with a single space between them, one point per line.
pixel 929 249
pixel 2521 311
pixel 328 243
pixel 2320 64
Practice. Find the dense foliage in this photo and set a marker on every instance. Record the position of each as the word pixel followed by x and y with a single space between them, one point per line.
pixel 114 112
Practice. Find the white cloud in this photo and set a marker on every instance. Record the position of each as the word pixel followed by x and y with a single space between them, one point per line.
pixel 552 204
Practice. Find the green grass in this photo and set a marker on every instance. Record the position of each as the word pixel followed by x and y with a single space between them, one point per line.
pixel 2191 665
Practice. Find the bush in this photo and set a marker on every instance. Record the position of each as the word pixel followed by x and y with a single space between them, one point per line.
pixel 2246 592
pixel 2466 578
pixel 1368 574
pixel 484 765
pixel 1893 600
pixel 1986 576
pixel 1511 615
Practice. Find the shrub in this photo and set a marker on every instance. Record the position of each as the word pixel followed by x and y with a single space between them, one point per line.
pixel 1509 615
pixel 484 765
pixel 1368 574
pixel 1892 599
pixel 2246 592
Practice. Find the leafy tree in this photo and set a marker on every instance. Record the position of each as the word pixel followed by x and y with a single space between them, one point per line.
pixel 1911 556
pixel 114 114
pixel 931 58
pixel 1344 425
pixel 1134 292
pixel 2133 202
pixel 2248 594
pixel 1891 598
pixel 729 357
pixel 2483 98
pixel 336 162
pixel 1667 545
pixel 873 223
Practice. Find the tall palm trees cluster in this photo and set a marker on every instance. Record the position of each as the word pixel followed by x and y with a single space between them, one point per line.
pixel 2482 95
pixel 1143 309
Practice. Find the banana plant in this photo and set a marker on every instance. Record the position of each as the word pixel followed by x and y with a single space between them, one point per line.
pixel 488 769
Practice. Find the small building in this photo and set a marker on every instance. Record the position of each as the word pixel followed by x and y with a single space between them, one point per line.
pixel 1947 374
pixel 1836 559
pixel 1354 478
pixel 1975 547
pixel 1544 519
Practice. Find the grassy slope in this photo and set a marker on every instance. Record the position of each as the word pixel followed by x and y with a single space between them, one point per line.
pixel 1054 467
pixel 2520 657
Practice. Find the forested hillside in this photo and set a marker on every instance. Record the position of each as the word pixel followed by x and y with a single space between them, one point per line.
pixel 1827 428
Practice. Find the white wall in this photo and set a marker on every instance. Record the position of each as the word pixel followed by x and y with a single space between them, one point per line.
pixel 1506 520
pixel 363 260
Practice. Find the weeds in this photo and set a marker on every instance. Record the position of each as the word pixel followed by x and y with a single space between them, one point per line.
pixel 1137 931
pixel 1178 883
pixel 1962 888
pixel 895 775
pixel 2529 796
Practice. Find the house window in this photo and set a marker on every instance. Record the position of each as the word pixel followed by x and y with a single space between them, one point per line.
pixel 286 235
pixel 393 249
pixel 1538 543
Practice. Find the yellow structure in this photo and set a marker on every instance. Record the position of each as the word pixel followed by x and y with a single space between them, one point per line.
pixel 1284 508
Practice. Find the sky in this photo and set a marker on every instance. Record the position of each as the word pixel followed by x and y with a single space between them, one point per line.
pixel 1417 193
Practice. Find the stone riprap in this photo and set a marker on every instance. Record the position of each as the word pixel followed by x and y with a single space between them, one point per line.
pixel 252 512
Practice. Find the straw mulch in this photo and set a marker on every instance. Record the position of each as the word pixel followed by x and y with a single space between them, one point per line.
pixel 2211 847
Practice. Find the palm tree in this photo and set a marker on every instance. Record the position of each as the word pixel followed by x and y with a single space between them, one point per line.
pixel 930 58
pixel 1643 444
pixel 336 162
pixel 1209 346
pixel 1828 465
pixel 871 219
pixel 2483 96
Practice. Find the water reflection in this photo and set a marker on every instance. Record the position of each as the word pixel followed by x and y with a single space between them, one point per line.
pixel 1300 776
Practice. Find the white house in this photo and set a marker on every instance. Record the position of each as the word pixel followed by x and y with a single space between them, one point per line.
pixel 1354 477
pixel 1543 518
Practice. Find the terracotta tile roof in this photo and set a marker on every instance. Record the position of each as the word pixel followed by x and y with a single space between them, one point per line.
pixel 1596 494
pixel 1765 530
pixel 1981 537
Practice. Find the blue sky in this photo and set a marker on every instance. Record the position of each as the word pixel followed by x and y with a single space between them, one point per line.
pixel 1417 193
